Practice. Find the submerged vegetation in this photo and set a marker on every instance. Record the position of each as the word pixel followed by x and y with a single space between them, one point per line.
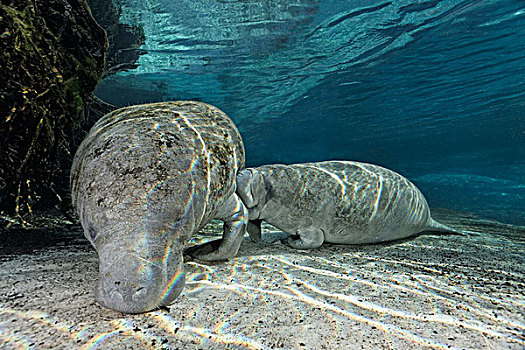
pixel 52 55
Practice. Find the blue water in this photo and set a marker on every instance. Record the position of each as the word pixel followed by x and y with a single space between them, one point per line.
pixel 432 89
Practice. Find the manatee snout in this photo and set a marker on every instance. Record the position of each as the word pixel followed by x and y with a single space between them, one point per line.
pixel 251 188
pixel 132 284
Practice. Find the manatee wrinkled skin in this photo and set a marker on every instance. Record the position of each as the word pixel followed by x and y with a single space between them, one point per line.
pixel 335 202
pixel 143 181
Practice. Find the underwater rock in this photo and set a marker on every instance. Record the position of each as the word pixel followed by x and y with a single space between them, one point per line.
pixel 123 39
pixel 52 55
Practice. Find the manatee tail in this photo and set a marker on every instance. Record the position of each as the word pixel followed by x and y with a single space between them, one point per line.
pixel 433 225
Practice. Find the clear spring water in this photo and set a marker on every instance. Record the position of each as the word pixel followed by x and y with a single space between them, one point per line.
pixel 432 89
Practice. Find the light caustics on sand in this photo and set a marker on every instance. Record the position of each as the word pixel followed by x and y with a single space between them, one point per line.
pixel 415 284
pixel 124 327
pixel 188 333
pixel 436 285
pixel 301 282
pixel 121 327
pixel 296 295
pixel 421 285
pixel 43 318
pixel 392 329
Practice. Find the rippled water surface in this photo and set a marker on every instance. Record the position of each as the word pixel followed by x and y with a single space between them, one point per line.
pixel 432 89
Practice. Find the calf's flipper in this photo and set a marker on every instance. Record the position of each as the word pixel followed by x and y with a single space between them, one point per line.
pixel 309 238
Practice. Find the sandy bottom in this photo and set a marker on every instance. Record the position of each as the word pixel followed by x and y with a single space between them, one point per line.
pixel 432 291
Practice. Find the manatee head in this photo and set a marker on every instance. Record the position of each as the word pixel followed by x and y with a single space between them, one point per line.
pixel 139 243
pixel 140 279
pixel 138 208
pixel 254 191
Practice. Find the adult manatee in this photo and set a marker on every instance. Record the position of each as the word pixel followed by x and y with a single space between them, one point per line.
pixel 143 181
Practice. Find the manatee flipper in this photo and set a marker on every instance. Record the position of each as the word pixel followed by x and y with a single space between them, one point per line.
pixel 309 238
pixel 254 230
pixel 235 217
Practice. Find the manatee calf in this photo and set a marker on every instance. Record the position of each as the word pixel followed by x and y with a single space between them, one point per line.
pixel 143 181
pixel 334 201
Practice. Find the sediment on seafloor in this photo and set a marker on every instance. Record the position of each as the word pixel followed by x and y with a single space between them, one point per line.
pixel 431 291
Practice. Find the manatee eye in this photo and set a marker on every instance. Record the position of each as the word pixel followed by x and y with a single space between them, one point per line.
pixel 92 233
pixel 268 186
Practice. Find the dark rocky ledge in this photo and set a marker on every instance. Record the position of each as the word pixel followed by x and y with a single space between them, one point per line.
pixel 52 55
pixel 124 40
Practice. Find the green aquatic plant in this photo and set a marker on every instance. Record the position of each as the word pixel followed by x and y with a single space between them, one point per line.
pixel 52 54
